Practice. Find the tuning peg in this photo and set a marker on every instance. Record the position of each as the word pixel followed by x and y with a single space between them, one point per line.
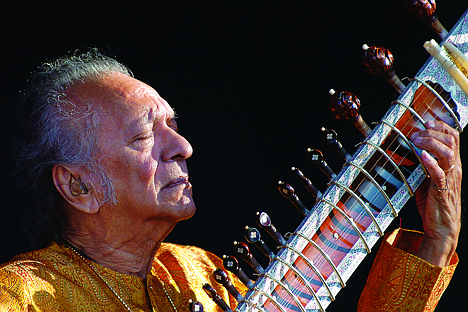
pixel 252 235
pixel 221 277
pixel 316 159
pixel 306 182
pixel 232 265
pixel 378 61
pixel 264 221
pixel 424 10
pixel 332 139
pixel 241 250
pixel 345 106
pixel 213 294
pixel 195 306
pixel 288 192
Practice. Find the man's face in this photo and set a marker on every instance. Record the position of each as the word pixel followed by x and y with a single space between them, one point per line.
pixel 140 149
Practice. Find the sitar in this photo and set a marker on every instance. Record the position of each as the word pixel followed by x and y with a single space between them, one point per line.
pixel 315 261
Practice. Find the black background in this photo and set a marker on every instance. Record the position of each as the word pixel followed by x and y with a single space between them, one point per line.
pixel 249 81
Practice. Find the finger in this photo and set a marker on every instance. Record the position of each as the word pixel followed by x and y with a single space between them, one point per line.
pixel 442 132
pixel 446 156
pixel 441 141
pixel 446 139
pixel 444 128
pixel 434 170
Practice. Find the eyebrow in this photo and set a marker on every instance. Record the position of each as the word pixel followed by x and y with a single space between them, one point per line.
pixel 151 116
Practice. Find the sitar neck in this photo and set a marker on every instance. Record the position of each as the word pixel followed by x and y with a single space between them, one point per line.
pixel 363 199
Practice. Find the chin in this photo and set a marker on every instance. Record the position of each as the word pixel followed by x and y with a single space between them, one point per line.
pixel 187 209
pixel 191 209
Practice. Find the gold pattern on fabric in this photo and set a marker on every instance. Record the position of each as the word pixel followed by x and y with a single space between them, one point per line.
pixel 400 281
pixel 58 279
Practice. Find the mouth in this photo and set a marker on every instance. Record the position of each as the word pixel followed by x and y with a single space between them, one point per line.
pixel 183 180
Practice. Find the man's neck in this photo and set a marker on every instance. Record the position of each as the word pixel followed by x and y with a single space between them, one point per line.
pixel 129 251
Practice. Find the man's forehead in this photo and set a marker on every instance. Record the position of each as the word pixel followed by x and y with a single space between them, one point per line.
pixel 129 88
pixel 117 93
pixel 142 106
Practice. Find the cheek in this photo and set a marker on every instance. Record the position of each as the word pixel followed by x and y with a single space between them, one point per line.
pixel 149 170
pixel 131 171
pixel 146 171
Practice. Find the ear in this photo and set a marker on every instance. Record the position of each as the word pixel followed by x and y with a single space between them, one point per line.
pixel 76 192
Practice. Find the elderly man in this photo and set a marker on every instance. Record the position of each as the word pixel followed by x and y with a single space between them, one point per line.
pixel 105 166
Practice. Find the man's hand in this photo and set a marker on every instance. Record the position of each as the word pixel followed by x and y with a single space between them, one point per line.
pixel 439 197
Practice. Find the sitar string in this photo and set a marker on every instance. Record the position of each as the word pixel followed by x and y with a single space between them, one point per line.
pixel 412 122
pixel 426 105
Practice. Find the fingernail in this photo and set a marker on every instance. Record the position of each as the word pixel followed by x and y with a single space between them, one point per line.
pixel 417 140
pixel 430 124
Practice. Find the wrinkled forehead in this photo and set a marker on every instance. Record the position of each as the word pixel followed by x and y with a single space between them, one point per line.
pixel 124 94
pixel 122 98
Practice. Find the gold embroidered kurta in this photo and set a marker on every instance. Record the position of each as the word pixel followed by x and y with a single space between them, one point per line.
pixel 58 279
pixel 400 281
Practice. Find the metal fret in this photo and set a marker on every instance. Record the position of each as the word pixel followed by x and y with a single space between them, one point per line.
pixel 323 253
pixel 377 185
pixel 406 141
pixel 307 284
pixel 397 168
pixel 420 119
pixel 350 221
pixel 362 203
pixel 284 287
pixel 348 263
pixel 313 267
pixel 447 107
pixel 253 304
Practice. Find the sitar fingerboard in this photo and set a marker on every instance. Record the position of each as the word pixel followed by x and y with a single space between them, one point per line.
pixel 364 198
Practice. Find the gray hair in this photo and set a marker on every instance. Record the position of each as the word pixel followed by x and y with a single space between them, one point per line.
pixel 56 131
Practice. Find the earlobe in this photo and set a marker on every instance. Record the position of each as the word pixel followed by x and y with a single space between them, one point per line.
pixel 75 191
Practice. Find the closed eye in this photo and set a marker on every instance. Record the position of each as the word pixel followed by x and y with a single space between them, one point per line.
pixel 142 137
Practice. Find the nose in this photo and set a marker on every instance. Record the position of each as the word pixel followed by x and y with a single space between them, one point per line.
pixel 177 147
